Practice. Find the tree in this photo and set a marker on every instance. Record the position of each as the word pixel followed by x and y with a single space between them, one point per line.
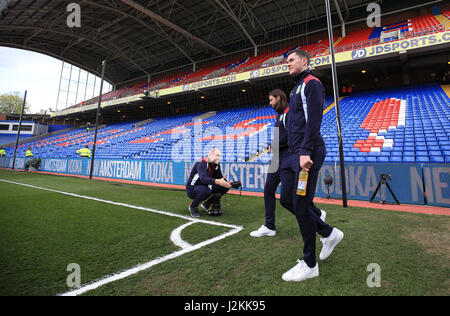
pixel 12 104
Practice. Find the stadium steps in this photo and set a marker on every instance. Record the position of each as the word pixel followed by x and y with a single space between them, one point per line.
pixel 331 106
pixel 204 116
pixel 446 89
pixel 139 124
pixel 336 43
pixel 443 20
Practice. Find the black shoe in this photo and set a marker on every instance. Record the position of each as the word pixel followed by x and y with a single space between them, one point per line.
pixel 216 201
pixel 215 212
pixel 215 207
pixel 206 205
pixel 194 211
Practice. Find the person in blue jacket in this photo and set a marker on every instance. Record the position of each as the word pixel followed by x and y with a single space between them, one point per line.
pixel 206 183
pixel 306 152
pixel 278 101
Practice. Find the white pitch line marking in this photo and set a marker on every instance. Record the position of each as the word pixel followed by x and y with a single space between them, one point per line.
pixel 175 236
pixel 188 218
pixel 124 274
pixel 186 247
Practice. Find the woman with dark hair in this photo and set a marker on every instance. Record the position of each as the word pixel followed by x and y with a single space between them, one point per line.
pixel 278 101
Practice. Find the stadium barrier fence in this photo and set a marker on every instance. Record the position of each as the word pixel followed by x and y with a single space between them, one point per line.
pixel 409 181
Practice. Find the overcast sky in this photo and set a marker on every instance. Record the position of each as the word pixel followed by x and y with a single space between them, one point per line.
pixel 22 70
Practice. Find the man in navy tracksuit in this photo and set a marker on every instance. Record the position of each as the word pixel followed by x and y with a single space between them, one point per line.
pixel 278 101
pixel 306 152
pixel 206 183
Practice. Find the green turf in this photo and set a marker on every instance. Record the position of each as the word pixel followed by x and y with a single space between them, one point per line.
pixel 42 232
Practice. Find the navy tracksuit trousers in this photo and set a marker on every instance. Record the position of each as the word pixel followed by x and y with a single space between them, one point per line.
pixel 301 206
pixel 201 192
pixel 272 182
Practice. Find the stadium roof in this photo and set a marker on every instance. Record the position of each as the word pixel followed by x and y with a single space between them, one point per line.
pixel 142 37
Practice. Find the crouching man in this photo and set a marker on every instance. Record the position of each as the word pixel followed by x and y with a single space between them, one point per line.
pixel 206 184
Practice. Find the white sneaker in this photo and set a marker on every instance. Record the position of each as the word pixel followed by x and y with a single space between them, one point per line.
pixel 263 231
pixel 301 272
pixel 323 215
pixel 330 242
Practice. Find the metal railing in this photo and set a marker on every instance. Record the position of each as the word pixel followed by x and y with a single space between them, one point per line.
pixel 357 45
pixel 425 31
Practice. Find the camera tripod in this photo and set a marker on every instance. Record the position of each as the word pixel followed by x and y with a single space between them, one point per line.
pixel 384 181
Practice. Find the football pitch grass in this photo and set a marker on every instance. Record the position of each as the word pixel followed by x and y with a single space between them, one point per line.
pixel 48 222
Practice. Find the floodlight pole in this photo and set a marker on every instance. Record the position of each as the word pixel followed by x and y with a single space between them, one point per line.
pixel 96 119
pixel 336 101
pixel 19 129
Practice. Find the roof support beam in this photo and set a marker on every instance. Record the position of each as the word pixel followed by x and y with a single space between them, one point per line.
pixel 347 11
pixel 201 21
pixel 115 51
pixel 174 44
pixel 126 15
pixel 163 34
pixel 251 16
pixel 313 9
pixel 167 23
pixel 340 17
pixel 230 13
pixel 282 13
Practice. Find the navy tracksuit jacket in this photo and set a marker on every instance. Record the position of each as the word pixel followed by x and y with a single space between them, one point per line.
pixel 307 100
pixel 273 179
pixel 200 185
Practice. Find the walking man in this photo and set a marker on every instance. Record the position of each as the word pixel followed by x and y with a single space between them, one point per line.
pixel 306 152
pixel 278 101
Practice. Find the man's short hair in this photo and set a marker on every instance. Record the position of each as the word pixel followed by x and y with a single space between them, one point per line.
pixel 212 151
pixel 301 53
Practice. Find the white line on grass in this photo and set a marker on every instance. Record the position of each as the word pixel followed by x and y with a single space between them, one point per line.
pixel 175 237
pixel 188 218
pixel 145 266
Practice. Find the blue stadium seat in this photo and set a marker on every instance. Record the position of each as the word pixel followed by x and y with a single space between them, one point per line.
pixel 423 159
pixel 424 136
pixel 437 159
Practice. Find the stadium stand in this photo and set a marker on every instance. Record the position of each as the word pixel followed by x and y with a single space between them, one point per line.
pixel 366 37
pixel 446 13
pixel 424 22
pixel 405 124
pixel 408 124
pixel 355 38
pixel 7 139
